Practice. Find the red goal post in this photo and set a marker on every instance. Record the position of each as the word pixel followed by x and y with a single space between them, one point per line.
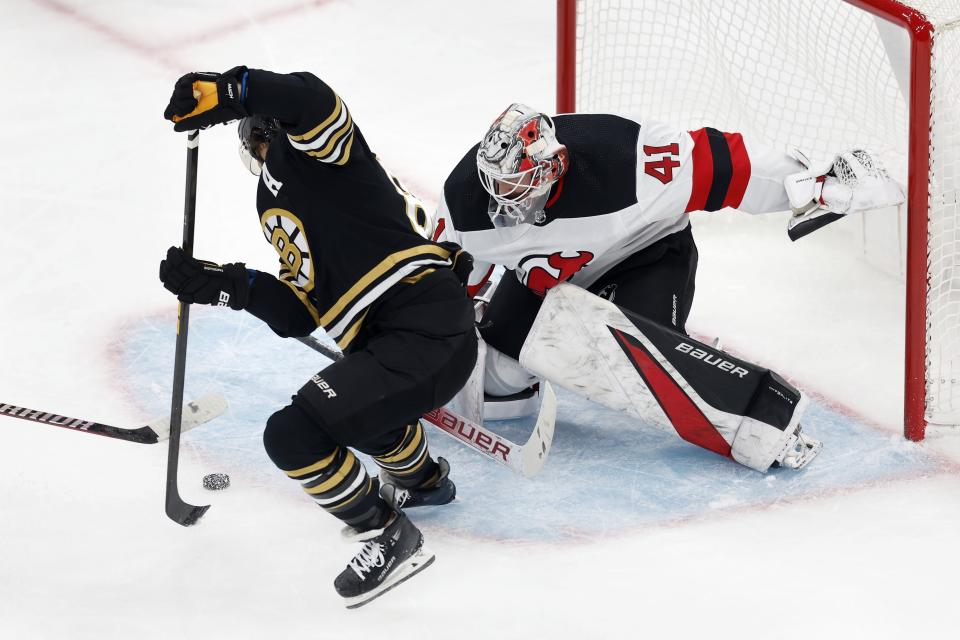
pixel 606 34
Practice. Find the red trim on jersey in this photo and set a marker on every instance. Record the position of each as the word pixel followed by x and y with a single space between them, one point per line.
pixel 684 415
pixel 556 194
pixel 440 227
pixel 741 170
pixel 474 289
pixel 702 159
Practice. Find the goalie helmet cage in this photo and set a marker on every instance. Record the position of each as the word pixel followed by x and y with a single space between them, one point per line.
pixel 823 75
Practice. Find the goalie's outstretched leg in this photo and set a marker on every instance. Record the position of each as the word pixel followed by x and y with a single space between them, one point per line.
pixel 629 363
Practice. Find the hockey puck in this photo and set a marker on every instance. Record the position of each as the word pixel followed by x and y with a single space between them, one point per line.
pixel 216 481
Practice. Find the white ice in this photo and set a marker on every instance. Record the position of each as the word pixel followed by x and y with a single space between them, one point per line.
pixel 92 181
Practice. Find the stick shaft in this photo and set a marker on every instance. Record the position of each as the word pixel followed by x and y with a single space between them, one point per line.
pixel 176 508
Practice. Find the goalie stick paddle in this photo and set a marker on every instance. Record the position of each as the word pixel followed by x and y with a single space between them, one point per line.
pixel 526 459
pixel 177 510
pixel 201 410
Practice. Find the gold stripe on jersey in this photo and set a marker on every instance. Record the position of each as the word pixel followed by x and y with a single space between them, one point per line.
pixel 391 265
pixel 335 142
pixel 344 341
pixel 337 106
pixel 346 154
pixel 416 277
pixel 331 140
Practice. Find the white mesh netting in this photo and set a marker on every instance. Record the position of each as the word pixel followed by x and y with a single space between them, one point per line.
pixel 819 74
pixel 943 252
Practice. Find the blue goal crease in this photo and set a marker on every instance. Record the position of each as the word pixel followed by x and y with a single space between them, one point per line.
pixel 606 474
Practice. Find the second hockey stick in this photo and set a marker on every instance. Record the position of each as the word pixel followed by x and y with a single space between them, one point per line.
pixel 202 410
pixel 526 459
pixel 177 510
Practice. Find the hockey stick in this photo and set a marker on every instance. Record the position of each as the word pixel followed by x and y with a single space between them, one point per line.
pixel 202 410
pixel 178 510
pixel 526 459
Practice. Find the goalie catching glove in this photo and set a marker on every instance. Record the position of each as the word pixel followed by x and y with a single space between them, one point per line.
pixel 202 282
pixel 854 180
pixel 203 99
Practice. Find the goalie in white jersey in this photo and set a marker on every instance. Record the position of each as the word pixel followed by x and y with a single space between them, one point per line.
pixel 601 202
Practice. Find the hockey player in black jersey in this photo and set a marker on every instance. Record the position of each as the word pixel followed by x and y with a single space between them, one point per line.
pixel 601 201
pixel 354 260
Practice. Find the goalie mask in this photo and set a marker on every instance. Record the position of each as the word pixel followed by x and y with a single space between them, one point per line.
pixel 254 131
pixel 518 161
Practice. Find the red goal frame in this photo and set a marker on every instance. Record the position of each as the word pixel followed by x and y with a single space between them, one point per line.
pixel 920 31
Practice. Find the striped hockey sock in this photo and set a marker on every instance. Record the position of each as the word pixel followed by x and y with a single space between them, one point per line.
pixel 409 463
pixel 340 485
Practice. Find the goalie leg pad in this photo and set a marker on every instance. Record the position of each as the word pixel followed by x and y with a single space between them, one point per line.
pixel 626 362
pixel 505 376
pixel 468 402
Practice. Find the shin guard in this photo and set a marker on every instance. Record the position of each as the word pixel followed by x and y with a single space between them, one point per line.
pixel 626 362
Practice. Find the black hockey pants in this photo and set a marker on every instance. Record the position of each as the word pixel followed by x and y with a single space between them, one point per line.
pixel 415 351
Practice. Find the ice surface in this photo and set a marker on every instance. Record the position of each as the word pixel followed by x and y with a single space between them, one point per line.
pixel 607 474
pixel 628 533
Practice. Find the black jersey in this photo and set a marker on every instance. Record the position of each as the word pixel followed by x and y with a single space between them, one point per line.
pixel 345 230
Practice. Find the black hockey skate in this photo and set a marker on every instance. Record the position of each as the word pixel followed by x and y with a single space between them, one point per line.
pixel 389 556
pixel 443 491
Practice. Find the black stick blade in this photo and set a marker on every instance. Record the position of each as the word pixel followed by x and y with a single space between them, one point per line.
pixel 182 513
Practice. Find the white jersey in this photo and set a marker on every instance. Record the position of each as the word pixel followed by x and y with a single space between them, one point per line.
pixel 629 184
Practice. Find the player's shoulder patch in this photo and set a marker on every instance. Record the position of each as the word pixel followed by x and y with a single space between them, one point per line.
pixel 466 198
pixel 603 164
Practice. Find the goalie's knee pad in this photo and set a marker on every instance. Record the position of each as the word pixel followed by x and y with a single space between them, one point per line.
pixel 504 376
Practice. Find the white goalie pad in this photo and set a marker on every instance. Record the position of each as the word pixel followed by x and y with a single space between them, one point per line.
pixel 709 398
pixel 469 400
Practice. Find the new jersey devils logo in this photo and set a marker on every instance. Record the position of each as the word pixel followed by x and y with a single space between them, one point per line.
pixel 543 272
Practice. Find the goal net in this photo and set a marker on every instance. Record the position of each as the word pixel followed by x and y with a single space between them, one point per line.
pixel 822 75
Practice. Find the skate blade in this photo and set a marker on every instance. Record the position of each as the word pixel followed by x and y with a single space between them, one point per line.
pixel 411 567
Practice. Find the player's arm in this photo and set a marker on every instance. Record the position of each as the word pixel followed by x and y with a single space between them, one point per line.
pixel 757 179
pixel 315 118
pixel 444 231
pixel 281 304
pixel 710 169
pixel 729 170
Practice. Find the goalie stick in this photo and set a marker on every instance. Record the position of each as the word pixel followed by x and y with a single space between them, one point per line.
pixel 201 410
pixel 526 459
pixel 177 510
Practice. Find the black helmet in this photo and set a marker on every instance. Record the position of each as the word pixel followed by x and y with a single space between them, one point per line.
pixel 254 130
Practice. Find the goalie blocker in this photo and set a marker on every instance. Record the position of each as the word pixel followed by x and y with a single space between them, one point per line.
pixel 628 363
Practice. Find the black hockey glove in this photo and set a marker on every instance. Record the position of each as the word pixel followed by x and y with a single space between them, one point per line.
pixel 203 99
pixel 202 282
pixel 462 261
